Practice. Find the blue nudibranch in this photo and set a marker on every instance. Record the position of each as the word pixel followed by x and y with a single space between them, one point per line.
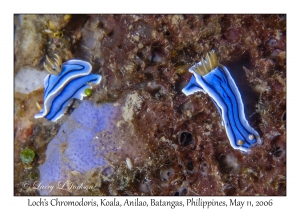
pixel 213 78
pixel 70 83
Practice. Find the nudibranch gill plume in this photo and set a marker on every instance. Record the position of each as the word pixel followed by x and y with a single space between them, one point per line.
pixel 214 79
pixel 63 84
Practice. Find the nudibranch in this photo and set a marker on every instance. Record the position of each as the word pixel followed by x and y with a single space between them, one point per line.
pixel 63 84
pixel 214 79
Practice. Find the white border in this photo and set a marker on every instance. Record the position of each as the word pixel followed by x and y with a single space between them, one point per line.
pixel 8 8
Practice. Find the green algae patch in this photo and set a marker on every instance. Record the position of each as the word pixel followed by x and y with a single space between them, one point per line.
pixel 27 156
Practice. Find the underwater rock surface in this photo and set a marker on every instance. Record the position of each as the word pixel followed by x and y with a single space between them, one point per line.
pixel 176 144
pixel 28 80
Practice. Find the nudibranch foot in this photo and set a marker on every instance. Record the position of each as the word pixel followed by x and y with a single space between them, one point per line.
pixel 214 79
pixel 61 89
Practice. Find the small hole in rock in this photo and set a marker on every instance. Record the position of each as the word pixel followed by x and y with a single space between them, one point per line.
pixel 184 192
pixel 278 152
pixel 283 118
pixel 176 194
pixel 203 167
pixel 190 166
pixel 149 76
pixel 185 138
pixel 167 33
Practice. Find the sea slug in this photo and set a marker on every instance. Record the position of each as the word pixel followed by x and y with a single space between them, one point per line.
pixel 64 84
pixel 214 79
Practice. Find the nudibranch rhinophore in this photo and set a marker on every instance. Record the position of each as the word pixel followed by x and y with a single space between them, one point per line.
pixel 213 78
pixel 63 84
